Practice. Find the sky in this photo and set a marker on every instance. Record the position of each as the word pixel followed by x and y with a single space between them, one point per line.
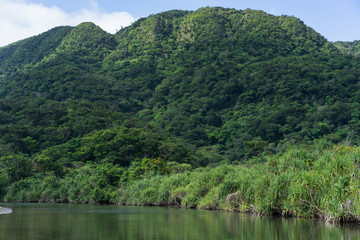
pixel 336 20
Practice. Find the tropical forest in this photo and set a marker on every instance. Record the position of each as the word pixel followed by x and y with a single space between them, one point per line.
pixel 217 109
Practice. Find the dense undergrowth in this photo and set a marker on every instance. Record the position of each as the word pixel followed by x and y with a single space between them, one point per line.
pixel 308 182
pixel 301 182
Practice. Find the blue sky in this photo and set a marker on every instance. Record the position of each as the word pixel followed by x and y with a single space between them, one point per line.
pixel 334 19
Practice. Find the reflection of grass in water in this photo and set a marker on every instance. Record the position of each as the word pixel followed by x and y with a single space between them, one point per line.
pixel 219 225
pixel 159 223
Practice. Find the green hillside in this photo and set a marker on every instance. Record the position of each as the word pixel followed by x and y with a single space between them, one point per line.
pixel 24 54
pixel 349 48
pixel 173 91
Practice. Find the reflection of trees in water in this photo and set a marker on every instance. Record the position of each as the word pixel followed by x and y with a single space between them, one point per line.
pixel 57 221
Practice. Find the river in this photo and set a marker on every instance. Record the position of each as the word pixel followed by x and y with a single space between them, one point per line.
pixel 80 222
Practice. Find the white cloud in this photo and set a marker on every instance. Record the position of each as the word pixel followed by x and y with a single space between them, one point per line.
pixel 20 19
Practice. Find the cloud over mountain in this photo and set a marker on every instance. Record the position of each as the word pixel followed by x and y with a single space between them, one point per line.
pixel 22 19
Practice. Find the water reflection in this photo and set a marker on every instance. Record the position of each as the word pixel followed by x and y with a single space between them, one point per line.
pixel 57 221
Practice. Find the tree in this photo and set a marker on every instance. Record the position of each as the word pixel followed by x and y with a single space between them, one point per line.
pixel 16 167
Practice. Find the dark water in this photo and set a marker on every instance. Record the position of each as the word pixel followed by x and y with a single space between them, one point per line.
pixel 80 222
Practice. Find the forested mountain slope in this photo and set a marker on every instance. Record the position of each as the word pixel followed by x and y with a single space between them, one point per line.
pixel 26 53
pixel 223 84
pixel 349 48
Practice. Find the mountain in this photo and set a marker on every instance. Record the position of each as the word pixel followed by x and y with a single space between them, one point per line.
pixel 215 84
pixel 349 48
pixel 26 53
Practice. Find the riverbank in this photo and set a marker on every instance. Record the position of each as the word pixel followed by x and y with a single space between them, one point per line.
pixel 4 210
pixel 304 183
pixel 316 183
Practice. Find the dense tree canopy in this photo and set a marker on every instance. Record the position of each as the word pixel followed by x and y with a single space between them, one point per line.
pixel 177 88
pixel 349 48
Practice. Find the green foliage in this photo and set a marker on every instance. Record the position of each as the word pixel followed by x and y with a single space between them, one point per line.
pixel 84 113
pixel 349 48
pixel 26 53
pixel 287 185
pixel 16 167
pixel 88 184
pixel 154 166
pixel 233 84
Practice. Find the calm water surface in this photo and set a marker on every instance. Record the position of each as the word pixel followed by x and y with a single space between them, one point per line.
pixel 80 222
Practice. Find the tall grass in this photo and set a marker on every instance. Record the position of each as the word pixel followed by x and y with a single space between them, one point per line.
pixel 300 182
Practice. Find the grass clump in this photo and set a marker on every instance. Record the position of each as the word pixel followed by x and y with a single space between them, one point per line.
pixel 301 182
